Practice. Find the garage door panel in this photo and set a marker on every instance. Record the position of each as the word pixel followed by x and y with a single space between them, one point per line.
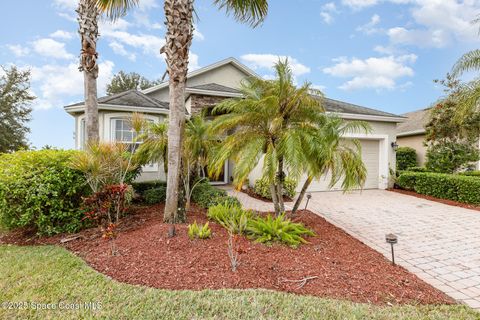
pixel 371 159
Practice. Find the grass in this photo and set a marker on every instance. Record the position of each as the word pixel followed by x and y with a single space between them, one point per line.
pixel 49 274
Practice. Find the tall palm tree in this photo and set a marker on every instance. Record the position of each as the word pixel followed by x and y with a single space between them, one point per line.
pixel 327 153
pixel 179 23
pixel 273 121
pixel 88 14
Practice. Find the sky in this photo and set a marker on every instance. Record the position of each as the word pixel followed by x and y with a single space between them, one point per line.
pixel 382 54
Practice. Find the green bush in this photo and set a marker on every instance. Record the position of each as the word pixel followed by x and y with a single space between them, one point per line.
pixel 141 187
pixel 406 158
pixel 39 190
pixel 262 188
pixel 155 195
pixel 231 217
pixel 474 173
pixel 417 169
pixel 199 231
pixel 444 186
pixel 449 157
pixel 206 196
pixel 279 229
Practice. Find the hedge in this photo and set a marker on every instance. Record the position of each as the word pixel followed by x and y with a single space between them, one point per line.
pixel 262 188
pixel 206 196
pixel 406 158
pixel 141 187
pixel 474 173
pixel 441 185
pixel 155 195
pixel 39 190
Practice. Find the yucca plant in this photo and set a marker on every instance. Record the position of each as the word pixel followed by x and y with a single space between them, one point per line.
pixel 278 229
pixel 199 231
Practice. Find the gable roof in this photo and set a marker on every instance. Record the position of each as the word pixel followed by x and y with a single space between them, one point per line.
pixel 203 70
pixel 414 124
pixel 337 106
pixel 214 87
pixel 130 98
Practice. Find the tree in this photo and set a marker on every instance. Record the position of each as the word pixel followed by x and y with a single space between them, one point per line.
pixel 327 153
pixel 88 13
pixel 275 121
pixel 123 81
pixel 15 98
pixel 179 22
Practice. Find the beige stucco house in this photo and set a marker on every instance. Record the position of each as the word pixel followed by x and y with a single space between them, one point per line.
pixel 411 132
pixel 206 87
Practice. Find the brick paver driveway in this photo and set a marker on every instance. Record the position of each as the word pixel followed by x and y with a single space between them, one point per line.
pixel 438 242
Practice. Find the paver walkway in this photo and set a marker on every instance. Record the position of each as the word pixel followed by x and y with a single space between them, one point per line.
pixel 437 242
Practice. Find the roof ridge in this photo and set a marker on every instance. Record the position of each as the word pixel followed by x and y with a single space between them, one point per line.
pixel 359 106
pixel 116 95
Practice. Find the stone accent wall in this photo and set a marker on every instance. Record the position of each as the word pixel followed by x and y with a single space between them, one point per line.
pixel 200 102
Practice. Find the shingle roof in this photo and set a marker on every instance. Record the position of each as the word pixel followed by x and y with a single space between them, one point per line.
pixel 345 107
pixel 215 87
pixel 131 98
pixel 415 122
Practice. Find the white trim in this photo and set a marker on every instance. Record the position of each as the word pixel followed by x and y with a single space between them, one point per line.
pixel 368 117
pixel 200 71
pixel 113 107
pixel 225 176
pixel 383 149
pixel 411 133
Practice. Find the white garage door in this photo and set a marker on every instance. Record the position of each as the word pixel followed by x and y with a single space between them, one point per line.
pixel 370 156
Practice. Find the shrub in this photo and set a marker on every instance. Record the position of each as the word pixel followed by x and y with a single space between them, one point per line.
pixel 233 218
pixel 449 157
pixel 39 190
pixel 417 169
pixel 141 187
pixel 206 196
pixel 440 185
pixel 196 231
pixel 406 158
pixel 278 229
pixel 156 195
pixel 262 188
pixel 474 173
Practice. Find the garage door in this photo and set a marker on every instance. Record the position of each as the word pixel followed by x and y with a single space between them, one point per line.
pixel 370 156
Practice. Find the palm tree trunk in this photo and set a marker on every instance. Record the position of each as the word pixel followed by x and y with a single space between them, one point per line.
pixel 178 16
pixel 301 195
pixel 279 185
pixel 88 29
pixel 276 205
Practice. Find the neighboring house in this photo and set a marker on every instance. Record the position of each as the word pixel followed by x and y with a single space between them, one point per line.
pixel 411 132
pixel 205 88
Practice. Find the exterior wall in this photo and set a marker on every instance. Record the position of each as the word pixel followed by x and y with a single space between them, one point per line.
pixel 199 102
pixel 415 142
pixel 227 75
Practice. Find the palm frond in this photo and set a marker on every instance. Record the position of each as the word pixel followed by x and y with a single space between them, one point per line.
pixel 470 61
pixel 115 9
pixel 252 12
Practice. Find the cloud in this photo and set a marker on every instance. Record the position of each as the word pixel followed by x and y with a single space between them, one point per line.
pixel 193 62
pixel 370 27
pixel 66 4
pixel 267 61
pixel 18 50
pixel 57 85
pixel 197 35
pixel 327 12
pixel 119 49
pixel 372 73
pixel 50 48
pixel 62 34
pixel 359 4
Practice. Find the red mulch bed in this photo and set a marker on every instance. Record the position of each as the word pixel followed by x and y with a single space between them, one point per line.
pixel 444 201
pixel 345 267
pixel 252 194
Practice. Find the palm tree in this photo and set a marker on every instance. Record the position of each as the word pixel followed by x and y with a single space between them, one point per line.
pixel 327 153
pixel 88 14
pixel 273 121
pixel 179 22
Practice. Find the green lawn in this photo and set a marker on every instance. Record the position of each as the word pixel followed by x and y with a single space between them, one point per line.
pixel 51 274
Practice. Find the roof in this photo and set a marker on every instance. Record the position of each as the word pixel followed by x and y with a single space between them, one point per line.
pixel 215 87
pixel 336 106
pixel 131 98
pixel 215 65
pixel 414 124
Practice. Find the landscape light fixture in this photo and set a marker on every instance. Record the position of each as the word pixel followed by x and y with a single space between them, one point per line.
pixel 394 145
pixel 392 239
pixel 309 196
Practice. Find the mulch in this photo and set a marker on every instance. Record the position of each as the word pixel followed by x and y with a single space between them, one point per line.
pixel 345 268
pixel 252 194
pixel 444 201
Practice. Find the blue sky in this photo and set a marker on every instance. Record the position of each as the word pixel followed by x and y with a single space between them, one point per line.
pixel 377 53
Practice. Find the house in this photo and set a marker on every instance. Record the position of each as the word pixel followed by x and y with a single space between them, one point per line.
pixel 411 132
pixel 205 88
